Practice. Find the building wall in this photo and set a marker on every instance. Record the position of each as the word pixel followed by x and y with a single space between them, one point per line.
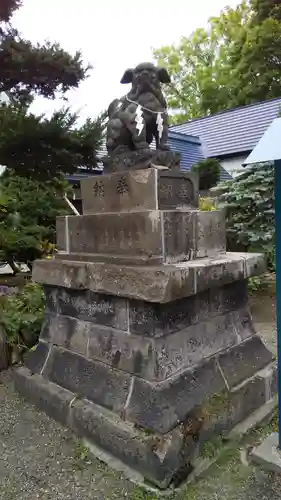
pixel 232 165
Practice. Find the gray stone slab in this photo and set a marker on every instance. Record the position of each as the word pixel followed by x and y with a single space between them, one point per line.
pixel 48 397
pixel 177 189
pixel 153 284
pixel 244 360
pixel 211 234
pixel 151 358
pixel 163 406
pixel 141 260
pixel 61 230
pixel 86 305
pixel 178 236
pixel 34 359
pixel 66 332
pixel 136 190
pixel 228 409
pixel 237 409
pixel 157 458
pixel 156 320
pixel 244 323
pixel 91 379
pixel 156 235
pixel 129 353
pixel 268 454
pixel 122 234
pixel 190 346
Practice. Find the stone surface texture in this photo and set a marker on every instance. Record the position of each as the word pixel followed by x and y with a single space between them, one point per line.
pixel 139 190
pixel 148 347
pixel 268 454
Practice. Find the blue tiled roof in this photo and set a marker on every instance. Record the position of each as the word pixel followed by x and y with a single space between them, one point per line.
pixel 188 146
pixel 232 131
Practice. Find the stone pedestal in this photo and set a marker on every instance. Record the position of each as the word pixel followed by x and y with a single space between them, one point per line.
pixel 148 347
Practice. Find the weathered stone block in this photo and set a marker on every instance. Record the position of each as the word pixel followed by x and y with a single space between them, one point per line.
pixel 210 236
pixel 86 305
pixel 244 323
pixel 156 320
pixel 154 359
pixel 222 412
pixel 121 234
pixel 190 346
pixel 162 406
pixel 48 397
pixel 147 236
pixel 35 359
pixel 244 360
pixel 62 233
pixel 149 283
pixel 66 332
pixel 177 236
pixel 137 190
pixel 118 161
pixel 158 458
pixel 91 379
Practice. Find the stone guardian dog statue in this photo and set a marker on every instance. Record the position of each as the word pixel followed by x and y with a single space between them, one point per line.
pixel 141 115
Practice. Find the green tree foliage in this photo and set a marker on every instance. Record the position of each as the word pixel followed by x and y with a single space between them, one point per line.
pixel 209 173
pixel 248 200
pixel 42 147
pixel 22 316
pixel 28 210
pixel 235 61
pixel 36 145
pixel 41 69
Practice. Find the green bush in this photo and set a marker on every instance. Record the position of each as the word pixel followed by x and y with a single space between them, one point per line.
pixel 209 173
pixel 248 200
pixel 22 314
pixel 206 204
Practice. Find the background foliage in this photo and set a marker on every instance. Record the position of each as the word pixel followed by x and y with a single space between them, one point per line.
pixel 209 173
pixel 235 61
pixel 33 145
pixel 28 212
pixel 22 315
pixel 248 201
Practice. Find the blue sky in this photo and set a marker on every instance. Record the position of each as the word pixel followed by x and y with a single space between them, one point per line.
pixel 112 35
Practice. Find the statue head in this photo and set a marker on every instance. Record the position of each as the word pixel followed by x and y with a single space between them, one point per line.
pixel 146 77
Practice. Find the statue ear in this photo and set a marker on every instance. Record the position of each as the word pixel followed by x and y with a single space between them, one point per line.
pixel 163 75
pixel 128 76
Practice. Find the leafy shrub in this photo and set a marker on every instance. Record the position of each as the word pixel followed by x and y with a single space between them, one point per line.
pixel 248 200
pixel 28 214
pixel 209 173
pixel 21 315
pixel 206 204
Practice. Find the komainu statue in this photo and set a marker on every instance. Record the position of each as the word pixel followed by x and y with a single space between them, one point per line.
pixel 140 116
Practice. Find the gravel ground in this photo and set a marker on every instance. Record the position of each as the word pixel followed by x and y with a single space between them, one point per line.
pixel 41 460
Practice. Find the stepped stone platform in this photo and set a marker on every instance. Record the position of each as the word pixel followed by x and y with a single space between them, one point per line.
pixel 148 348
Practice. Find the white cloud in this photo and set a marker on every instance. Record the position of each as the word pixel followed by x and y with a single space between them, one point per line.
pixel 112 36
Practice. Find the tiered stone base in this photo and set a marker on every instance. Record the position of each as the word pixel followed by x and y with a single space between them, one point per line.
pixel 148 347
pixel 152 372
